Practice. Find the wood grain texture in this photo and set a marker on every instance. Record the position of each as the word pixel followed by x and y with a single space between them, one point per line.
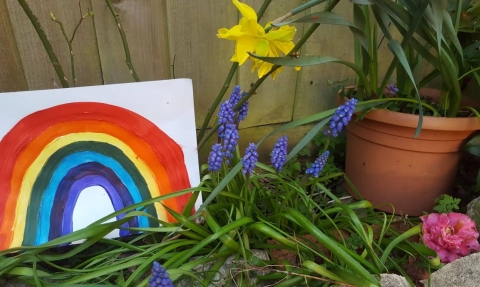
pixel 313 94
pixel 198 53
pixel 11 70
pixel 37 66
pixel 145 24
pixel 275 99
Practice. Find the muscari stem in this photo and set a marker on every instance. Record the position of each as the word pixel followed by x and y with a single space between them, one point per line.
pixel 252 90
pixel 46 43
pixel 128 59
pixel 225 86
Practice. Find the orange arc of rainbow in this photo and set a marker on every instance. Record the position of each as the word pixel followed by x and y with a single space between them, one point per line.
pixel 140 148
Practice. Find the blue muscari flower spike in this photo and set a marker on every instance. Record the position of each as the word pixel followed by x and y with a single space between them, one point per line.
pixel 229 141
pixel 318 165
pixel 243 109
pixel 226 115
pixel 235 96
pixel 393 89
pixel 341 117
pixel 250 159
pixel 215 158
pixel 159 277
pixel 279 153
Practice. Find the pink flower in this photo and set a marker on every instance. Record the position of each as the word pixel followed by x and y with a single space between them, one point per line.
pixel 452 235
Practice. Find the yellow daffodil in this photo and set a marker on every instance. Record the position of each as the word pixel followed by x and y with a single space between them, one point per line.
pixel 251 37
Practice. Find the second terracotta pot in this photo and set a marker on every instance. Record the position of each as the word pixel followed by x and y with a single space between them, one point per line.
pixel 388 166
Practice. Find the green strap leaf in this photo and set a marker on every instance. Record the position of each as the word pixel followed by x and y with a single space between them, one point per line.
pixel 397 50
pixel 473 146
pixel 304 61
pixel 331 245
pixel 451 33
pixel 330 18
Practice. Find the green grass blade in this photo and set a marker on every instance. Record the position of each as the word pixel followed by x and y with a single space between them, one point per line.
pixel 331 245
pixel 307 138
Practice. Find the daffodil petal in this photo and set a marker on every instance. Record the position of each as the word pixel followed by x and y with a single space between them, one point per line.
pixel 276 72
pixel 230 34
pixel 264 68
pixel 284 47
pixel 245 10
pixel 245 44
pixel 283 34
pixel 263 48
pixel 251 27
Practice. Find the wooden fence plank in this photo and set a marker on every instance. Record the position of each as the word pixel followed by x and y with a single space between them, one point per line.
pixel 198 53
pixel 275 99
pixel 38 68
pixel 11 70
pixel 145 23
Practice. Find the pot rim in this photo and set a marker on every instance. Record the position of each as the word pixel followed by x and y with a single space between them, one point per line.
pixel 429 122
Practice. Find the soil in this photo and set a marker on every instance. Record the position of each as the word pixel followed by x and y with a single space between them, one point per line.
pixel 466 181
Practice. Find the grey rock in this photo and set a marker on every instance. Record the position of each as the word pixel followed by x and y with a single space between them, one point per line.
pixel 230 274
pixel 473 210
pixel 388 280
pixel 463 272
pixel 393 280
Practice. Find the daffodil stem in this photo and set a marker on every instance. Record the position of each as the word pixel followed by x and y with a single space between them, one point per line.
pixel 224 89
pixel 257 84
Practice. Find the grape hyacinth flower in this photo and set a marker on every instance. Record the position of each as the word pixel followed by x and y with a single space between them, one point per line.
pixel 242 110
pixel 250 159
pixel 392 89
pixel 451 235
pixel 215 158
pixel 226 116
pixel 230 141
pixel 341 117
pixel 279 153
pixel 159 277
pixel 318 165
pixel 235 96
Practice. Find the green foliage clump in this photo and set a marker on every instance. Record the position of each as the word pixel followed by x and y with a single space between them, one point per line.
pixel 354 242
pixel 446 204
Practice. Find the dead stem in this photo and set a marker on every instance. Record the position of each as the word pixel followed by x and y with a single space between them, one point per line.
pixel 46 43
pixel 128 59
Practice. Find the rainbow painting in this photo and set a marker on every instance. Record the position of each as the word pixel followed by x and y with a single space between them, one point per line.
pixel 68 157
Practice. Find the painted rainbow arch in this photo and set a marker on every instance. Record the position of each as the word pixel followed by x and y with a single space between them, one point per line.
pixel 50 156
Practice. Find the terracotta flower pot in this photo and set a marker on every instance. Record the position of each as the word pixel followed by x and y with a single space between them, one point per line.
pixel 386 164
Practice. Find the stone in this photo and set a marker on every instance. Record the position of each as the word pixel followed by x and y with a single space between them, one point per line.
pixel 473 211
pixel 463 272
pixel 231 272
pixel 393 280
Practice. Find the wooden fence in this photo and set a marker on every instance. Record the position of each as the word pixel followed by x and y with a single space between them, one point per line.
pixel 166 36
